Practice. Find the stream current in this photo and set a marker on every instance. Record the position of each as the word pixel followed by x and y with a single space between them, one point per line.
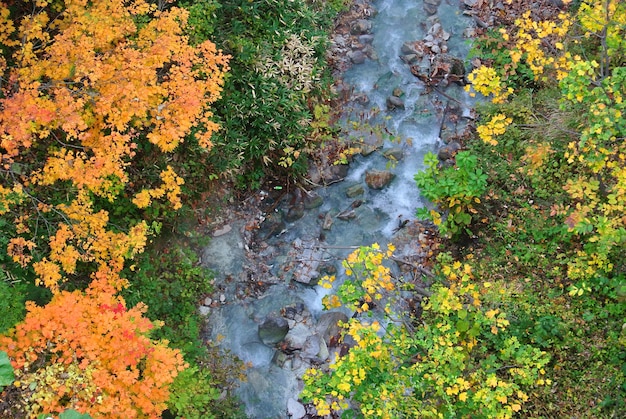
pixel 273 378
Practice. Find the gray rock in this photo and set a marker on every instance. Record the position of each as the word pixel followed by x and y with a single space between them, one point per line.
pixel 360 27
pixel 280 358
pixel 336 172
pixel 450 65
pixel 295 212
pixel 394 102
pixel 323 353
pixel 409 58
pixel 366 39
pixel 430 9
pixel 355 190
pixel 327 223
pixel 204 310
pixel 449 150
pixel 356 56
pixel 347 215
pixel 297 337
pixel 328 324
pixel 312 200
pixel 309 256
pixel 295 409
pixel 221 231
pixel 394 153
pixel 271 226
pixel 416 48
pixel 378 179
pixel 311 347
pixel 273 330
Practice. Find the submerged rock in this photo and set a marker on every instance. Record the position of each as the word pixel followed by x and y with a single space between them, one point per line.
pixel 328 325
pixel 312 200
pixel 394 153
pixel 355 190
pixel 271 226
pixel 361 27
pixel 273 330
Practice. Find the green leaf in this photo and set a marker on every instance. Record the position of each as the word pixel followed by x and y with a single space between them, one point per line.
pixel 68 414
pixel 462 326
pixel 6 370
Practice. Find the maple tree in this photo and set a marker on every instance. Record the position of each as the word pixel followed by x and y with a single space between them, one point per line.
pixel 86 86
pixel 89 352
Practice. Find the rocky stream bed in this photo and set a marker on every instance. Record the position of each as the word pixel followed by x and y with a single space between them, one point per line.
pixel 400 66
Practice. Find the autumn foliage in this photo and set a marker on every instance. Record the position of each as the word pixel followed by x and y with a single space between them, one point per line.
pixel 89 352
pixel 87 84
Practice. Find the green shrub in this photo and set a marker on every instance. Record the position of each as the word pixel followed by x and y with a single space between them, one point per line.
pixel 455 190
pixel 277 69
pixel 171 284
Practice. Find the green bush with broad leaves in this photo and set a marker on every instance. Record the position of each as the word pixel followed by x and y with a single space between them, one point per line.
pixel 454 190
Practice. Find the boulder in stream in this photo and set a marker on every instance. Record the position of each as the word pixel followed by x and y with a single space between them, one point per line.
pixel 295 409
pixel 356 56
pixel 312 200
pixel 394 102
pixel 378 179
pixel 328 324
pixel 394 153
pixel 431 6
pixel 273 330
pixel 355 190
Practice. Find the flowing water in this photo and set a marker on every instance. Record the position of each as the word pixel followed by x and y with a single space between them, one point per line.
pixel 271 380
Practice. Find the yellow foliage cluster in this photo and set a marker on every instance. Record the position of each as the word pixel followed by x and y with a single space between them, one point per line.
pixel 531 40
pixel 496 126
pixel 486 81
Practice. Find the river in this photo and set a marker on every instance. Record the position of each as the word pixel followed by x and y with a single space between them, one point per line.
pixel 390 107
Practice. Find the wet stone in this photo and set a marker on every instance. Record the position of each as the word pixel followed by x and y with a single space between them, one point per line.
pixel 449 150
pixel 366 39
pixel 295 212
pixel 394 102
pixel 360 27
pixel 312 200
pixel 355 190
pixel 328 324
pixel 272 226
pixel 273 330
pixel 378 179
pixel 394 153
pixel 356 57
pixel 295 409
